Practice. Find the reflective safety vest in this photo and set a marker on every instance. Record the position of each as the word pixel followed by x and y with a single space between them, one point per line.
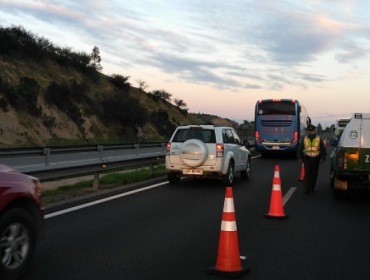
pixel 311 148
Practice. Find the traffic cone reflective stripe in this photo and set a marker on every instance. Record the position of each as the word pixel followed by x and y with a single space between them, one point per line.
pixel 302 173
pixel 228 256
pixel 276 203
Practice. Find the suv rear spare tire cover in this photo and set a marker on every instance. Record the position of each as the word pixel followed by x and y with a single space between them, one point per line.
pixel 193 152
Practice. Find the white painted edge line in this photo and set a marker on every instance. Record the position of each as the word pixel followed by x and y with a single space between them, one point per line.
pixel 65 211
pixel 288 194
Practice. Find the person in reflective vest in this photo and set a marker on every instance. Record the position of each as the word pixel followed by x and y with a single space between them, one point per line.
pixel 312 153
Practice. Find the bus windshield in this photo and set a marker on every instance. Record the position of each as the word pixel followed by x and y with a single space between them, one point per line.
pixel 343 123
pixel 281 107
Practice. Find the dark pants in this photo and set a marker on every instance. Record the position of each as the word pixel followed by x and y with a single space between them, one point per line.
pixel 311 170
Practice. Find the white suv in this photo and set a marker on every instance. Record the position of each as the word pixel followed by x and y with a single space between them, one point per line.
pixel 206 151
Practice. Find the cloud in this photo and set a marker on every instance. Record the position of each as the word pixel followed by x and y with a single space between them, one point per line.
pixel 297 37
pixel 190 70
pixel 249 86
pixel 352 54
pixel 225 45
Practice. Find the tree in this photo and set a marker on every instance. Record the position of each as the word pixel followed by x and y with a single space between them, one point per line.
pixel 166 96
pixel 120 81
pixel 142 84
pixel 95 59
pixel 180 103
pixel 161 94
pixel 319 128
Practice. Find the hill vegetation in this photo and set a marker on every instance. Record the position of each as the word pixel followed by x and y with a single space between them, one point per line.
pixel 51 95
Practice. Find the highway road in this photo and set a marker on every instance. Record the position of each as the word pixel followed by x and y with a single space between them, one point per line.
pixel 172 232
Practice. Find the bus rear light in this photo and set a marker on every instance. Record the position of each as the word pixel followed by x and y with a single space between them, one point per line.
pixel 295 138
pixel 257 137
pixel 168 148
pixel 220 150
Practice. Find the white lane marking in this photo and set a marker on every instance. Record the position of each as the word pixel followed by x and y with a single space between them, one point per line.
pixel 65 211
pixel 288 194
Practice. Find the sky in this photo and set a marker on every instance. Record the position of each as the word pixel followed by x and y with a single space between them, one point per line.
pixel 220 57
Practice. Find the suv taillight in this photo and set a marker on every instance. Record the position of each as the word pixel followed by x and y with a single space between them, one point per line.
pixel 340 158
pixel 257 137
pixel 220 150
pixel 295 138
pixel 168 148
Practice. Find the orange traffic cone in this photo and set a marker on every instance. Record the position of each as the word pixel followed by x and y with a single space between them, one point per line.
pixel 276 204
pixel 228 257
pixel 302 173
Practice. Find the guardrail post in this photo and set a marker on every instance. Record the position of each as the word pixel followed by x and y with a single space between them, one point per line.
pixel 136 146
pixel 151 169
pixel 100 149
pixel 96 181
pixel 47 155
pixel 164 147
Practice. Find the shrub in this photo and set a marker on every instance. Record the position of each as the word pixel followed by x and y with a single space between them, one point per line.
pixel 23 97
pixel 48 121
pixel 120 82
pixel 123 109
pixel 4 104
pixel 61 96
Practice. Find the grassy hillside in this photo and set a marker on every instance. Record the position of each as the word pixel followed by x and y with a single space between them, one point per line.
pixel 53 96
pixel 20 128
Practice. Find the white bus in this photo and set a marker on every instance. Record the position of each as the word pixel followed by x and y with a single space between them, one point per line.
pixel 339 126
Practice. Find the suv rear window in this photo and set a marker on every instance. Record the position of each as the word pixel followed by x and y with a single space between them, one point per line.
pixel 205 135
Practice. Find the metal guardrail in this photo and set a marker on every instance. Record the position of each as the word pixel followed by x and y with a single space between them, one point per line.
pixel 48 163
pixel 60 171
pixel 68 149
pixel 57 162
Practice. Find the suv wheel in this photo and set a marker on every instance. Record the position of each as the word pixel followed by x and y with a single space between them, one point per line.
pixel 245 174
pixel 173 178
pixel 193 152
pixel 228 178
pixel 17 243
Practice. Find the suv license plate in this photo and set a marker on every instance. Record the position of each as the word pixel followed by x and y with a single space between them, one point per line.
pixel 275 147
pixel 193 171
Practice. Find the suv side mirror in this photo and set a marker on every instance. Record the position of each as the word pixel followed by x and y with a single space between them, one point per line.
pixel 333 143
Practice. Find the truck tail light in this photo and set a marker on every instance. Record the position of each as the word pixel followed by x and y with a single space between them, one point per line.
pixel 220 149
pixel 295 138
pixel 354 157
pixel 257 137
pixel 168 148
pixel 340 158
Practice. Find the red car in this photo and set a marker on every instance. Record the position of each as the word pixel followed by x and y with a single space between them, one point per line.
pixel 21 221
